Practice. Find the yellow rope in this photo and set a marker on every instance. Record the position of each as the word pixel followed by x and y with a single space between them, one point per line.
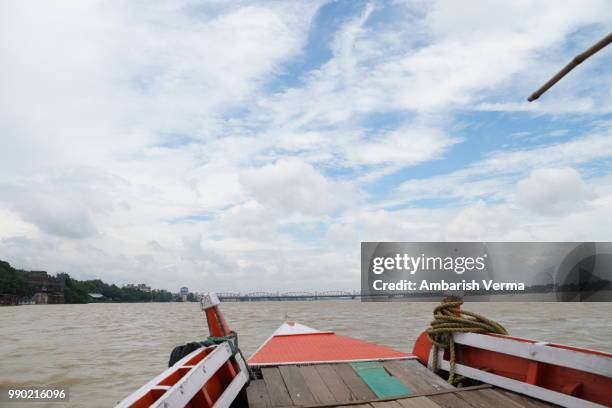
pixel 450 319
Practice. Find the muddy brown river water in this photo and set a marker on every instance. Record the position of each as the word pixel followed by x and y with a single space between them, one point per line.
pixel 103 352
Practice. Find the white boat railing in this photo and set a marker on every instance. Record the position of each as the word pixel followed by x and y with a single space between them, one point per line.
pixel 193 377
pixel 536 352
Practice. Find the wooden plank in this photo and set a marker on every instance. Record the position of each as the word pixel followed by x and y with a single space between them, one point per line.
pixel 296 385
pixel 385 404
pixel 257 394
pixel 359 389
pixel 406 375
pixel 486 399
pixel 417 402
pixel 395 399
pixel 335 384
pixel 379 380
pixel 277 391
pixel 415 376
pixel 523 400
pixel 316 385
pixel 449 401
pixel 433 378
pixel 499 399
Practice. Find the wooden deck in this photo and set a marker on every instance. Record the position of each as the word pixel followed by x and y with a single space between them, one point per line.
pixel 330 385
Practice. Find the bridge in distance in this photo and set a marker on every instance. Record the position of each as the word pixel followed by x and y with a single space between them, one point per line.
pixel 268 296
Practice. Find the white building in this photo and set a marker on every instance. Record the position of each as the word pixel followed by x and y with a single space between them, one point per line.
pixel 183 293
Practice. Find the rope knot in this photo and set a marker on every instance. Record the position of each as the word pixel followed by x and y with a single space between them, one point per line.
pixel 449 319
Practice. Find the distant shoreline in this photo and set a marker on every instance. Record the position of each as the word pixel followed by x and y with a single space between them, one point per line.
pixel 18 287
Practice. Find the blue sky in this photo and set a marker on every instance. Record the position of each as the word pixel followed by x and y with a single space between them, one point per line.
pixel 250 146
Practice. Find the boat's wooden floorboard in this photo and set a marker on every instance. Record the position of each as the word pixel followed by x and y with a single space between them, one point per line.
pixel 338 385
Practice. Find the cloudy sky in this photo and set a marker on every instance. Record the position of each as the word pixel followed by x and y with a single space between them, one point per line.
pixel 252 145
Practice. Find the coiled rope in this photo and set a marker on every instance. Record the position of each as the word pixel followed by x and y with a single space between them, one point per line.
pixel 449 319
pixel 232 339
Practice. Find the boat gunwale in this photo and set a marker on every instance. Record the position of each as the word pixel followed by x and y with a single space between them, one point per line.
pixel 317 362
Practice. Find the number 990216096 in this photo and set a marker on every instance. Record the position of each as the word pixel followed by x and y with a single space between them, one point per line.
pixel 33 394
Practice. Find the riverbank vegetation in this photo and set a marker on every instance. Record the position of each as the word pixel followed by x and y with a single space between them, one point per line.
pixel 13 282
pixel 78 292
pixel 14 285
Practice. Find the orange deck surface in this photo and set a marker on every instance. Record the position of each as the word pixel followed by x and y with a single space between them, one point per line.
pixel 324 346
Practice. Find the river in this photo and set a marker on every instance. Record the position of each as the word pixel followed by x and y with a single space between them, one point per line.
pixel 102 352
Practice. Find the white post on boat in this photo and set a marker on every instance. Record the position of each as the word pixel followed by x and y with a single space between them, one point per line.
pixel 217 326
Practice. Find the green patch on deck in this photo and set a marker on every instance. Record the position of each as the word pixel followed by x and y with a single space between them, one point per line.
pixel 379 380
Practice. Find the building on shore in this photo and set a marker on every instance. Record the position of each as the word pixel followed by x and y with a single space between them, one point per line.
pixel 41 281
pixel 7 299
pixel 183 293
pixel 48 289
pixel 141 287
pixel 44 298
pixel 96 297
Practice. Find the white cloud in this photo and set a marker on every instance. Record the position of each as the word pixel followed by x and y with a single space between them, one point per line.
pixel 109 79
pixel 551 191
pixel 405 146
pixel 140 141
pixel 480 222
pixel 291 185
pixel 469 54
pixel 568 105
pixel 63 203
pixel 251 220
pixel 495 174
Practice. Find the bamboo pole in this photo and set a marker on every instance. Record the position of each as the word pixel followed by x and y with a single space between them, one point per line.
pixel 578 59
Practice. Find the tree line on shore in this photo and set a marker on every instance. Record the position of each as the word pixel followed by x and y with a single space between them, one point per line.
pixel 14 282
